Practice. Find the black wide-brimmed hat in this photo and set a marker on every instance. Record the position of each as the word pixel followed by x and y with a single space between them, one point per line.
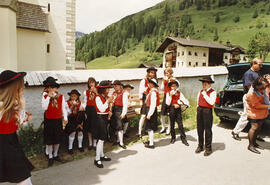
pixel 8 76
pixel 207 79
pixel 117 82
pixel 105 84
pixel 51 82
pixel 128 86
pixel 151 69
pixel 153 81
pixel 74 91
pixel 174 82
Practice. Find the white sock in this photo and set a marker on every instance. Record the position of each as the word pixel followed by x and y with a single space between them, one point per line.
pixel 50 150
pixel 26 182
pixel 151 137
pixel 71 140
pixel 169 127
pixel 125 127
pixel 95 143
pixel 162 120
pixel 99 150
pixel 141 122
pixel 120 136
pixel 56 148
pixel 47 150
pixel 80 139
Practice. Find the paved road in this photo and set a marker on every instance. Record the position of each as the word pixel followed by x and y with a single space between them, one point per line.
pixel 169 164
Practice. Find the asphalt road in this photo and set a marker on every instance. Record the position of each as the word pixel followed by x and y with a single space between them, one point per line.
pixel 170 164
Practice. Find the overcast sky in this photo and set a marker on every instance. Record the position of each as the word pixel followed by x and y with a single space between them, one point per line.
pixel 95 15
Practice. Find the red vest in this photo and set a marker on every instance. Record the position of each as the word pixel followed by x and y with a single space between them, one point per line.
pixel 8 128
pixel 166 85
pixel 175 98
pixel 202 102
pixel 148 99
pixel 55 112
pixel 90 102
pixel 119 99
pixel 77 107
pixel 103 101
pixel 146 92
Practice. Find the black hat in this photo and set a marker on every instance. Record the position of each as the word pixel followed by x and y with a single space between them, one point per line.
pixel 153 81
pixel 74 91
pixel 128 86
pixel 151 69
pixel 104 84
pixel 174 82
pixel 9 76
pixel 117 82
pixel 50 82
pixel 207 79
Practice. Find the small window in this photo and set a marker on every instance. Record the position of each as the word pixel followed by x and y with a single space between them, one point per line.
pixel 204 54
pixel 178 54
pixel 204 64
pixel 49 7
pixel 183 53
pixel 189 53
pixel 244 59
pixel 226 57
pixel 48 48
pixel 196 63
pixel 189 63
pixel 196 54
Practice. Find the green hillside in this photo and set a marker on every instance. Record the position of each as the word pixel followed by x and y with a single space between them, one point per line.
pixel 133 40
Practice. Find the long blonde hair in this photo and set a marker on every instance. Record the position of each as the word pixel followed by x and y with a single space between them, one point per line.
pixel 11 101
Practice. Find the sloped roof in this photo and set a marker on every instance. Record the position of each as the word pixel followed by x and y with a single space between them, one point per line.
pixel 12 4
pixel 36 78
pixel 31 16
pixel 189 42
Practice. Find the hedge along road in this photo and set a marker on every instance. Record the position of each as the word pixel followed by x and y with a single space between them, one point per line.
pixel 169 164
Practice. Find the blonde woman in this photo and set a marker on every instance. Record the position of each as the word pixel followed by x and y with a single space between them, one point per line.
pixel 14 166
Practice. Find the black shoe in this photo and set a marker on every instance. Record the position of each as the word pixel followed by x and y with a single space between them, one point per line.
pixel 260 139
pixel 256 145
pixel 94 148
pixel 58 159
pixel 123 146
pixel 98 163
pixel 207 152
pixel 236 136
pixel 70 151
pixel 149 146
pixel 90 148
pixel 126 136
pixel 139 136
pixel 198 150
pixel 81 149
pixel 172 140
pixel 253 149
pixel 146 143
pixel 50 162
pixel 105 158
pixel 46 155
pixel 184 141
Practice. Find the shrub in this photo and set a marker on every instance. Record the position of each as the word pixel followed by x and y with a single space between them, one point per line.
pixel 31 140
pixel 236 19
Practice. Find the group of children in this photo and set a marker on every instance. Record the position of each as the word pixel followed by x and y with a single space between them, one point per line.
pixel 94 115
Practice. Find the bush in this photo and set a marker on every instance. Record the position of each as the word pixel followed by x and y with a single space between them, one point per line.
pixel 236 19
pixel 31 140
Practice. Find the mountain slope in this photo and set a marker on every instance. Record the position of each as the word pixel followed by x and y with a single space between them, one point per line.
pixel 140 34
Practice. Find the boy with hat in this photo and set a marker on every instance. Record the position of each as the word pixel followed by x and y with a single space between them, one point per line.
pixel 14 166
pixel 206 101
pixel 54 105
pixel 102 102
pixel 119 111
pixel 143 92
pixel 174 99
pixel 127 89
pixel 152 101
pixel 76 117
pixel 168 77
